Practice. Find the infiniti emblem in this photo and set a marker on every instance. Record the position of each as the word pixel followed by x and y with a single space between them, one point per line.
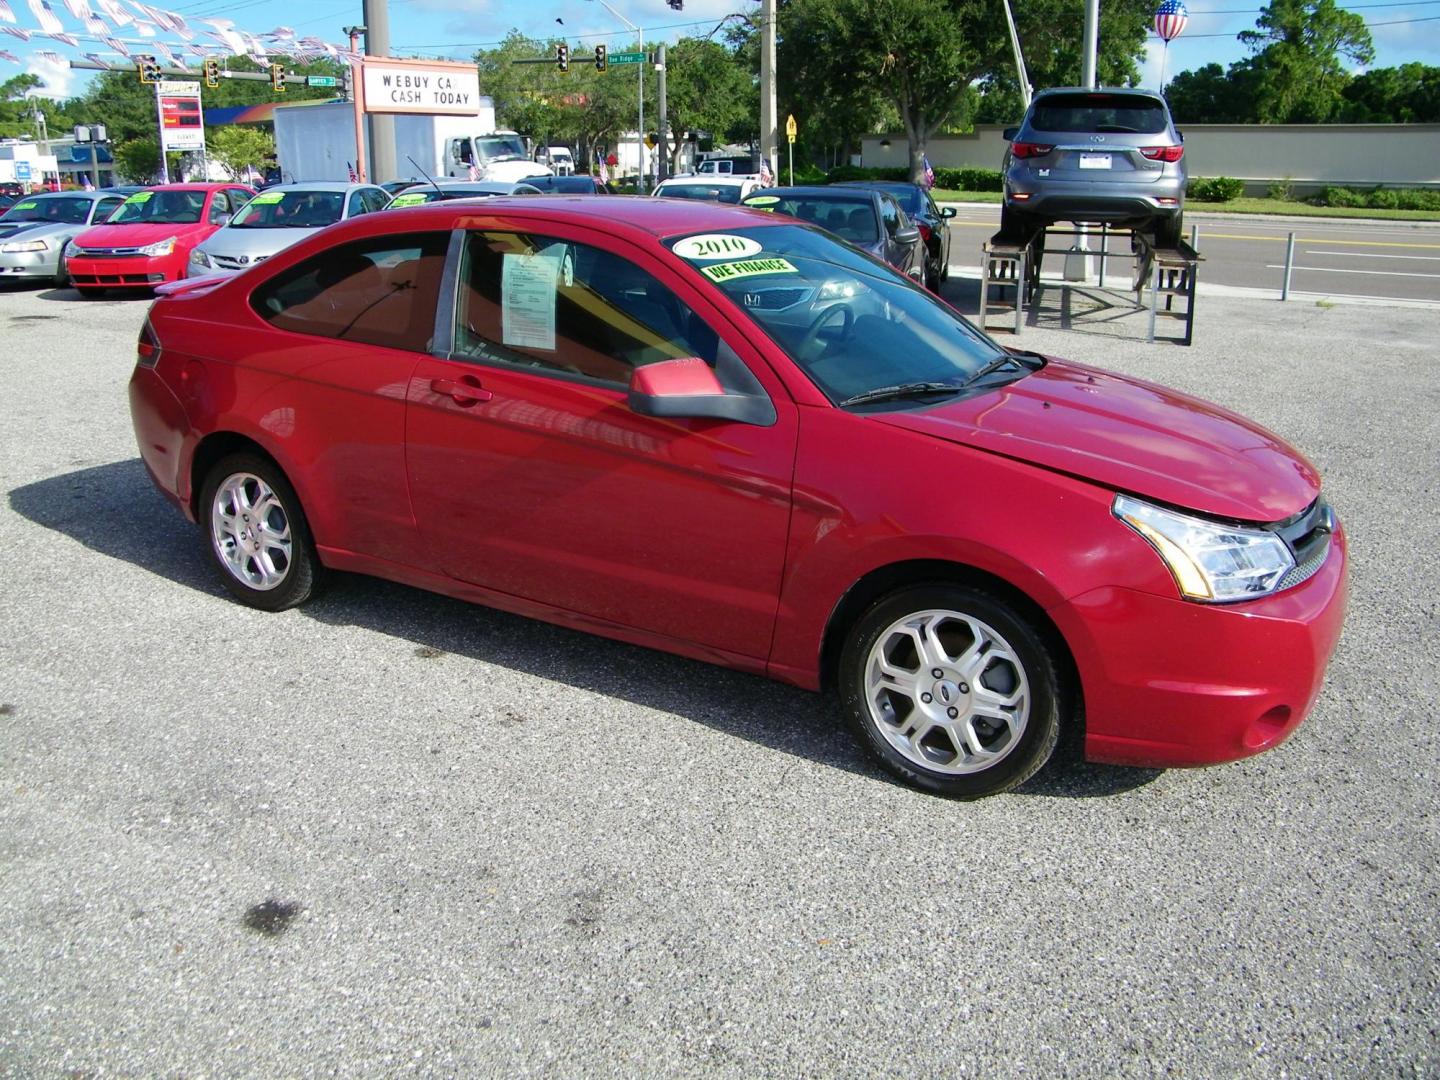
pixel 1097 138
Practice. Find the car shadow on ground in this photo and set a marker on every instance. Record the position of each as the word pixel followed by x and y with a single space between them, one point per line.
pixel 114 510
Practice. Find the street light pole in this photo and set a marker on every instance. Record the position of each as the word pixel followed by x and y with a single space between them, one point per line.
pixel 640 129
pixel 769 134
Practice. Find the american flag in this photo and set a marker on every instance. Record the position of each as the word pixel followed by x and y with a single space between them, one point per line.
pixel 5 13
pixel 604 173
pixel 1170 19
pixel 929 173
pixel 354 176
pixel 45 15
pixel 767 178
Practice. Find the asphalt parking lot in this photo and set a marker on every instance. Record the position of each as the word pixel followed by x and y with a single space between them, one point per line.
pixel 393 833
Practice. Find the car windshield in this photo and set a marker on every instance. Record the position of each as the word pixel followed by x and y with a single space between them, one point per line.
pixel 853 325
pixel 65 211
pixel 500 148
pixel 725 193
pixel 852 219
pixel 1120 113
pixel 291 210
pixel 161 207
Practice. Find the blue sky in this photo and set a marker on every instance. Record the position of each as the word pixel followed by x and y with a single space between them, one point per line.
pixel 1402 32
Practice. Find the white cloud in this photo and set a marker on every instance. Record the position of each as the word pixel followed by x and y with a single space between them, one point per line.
pixel 59 79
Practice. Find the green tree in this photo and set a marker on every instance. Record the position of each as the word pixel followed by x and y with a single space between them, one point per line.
pixel 16 110
pixel 1300 49
pixel 240 148
pixel 1211 95
pixel 138 159
pixel 1408 94
pixel 706 89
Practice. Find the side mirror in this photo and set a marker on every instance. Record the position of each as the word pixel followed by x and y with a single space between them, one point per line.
pixel 223 220
pixel 1009 134
pixel 908 235
pixel 948 211
pixel 689 387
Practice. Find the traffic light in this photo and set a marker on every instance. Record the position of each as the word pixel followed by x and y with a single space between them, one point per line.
pixel 277 78
pixel 212 72
pixel 602 58
pixel 562 57
pixel 147 67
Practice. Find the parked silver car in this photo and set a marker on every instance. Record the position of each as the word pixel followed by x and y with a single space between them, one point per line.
pixel 1095 156
pixel 278 217
pixel 34 232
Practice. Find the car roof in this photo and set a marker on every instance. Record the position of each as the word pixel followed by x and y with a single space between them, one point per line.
pixel 826 191
pixel 657 218
pixel 879 185
pixel 1108 91
pixel 194 187
pixel 718 180
pixel 318 185
pixel 81 194
pixel 488 187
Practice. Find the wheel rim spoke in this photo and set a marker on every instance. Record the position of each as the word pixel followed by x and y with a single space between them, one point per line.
pixel 947 691
pixel 251 532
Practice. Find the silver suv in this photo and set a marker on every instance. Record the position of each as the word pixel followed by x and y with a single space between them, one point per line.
pixel 1090 156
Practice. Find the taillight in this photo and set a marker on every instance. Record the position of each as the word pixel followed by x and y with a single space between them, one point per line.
pixel 148 348
pixel 1163 153
pixel 1030 149
pixel 924 231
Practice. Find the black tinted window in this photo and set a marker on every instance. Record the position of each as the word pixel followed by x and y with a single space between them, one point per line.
pixel 380 291
pixel 851 219
pixel 1099 112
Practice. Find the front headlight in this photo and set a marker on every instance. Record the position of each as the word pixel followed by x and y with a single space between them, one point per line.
pixel 1211 561
pixel 72 249
pixel 837 290
pixel 24 245
pixel 160 247
pixel 198 258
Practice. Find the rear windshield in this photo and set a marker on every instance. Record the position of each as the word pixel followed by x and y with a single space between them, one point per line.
pixel 1099 112
pixel 726 193
pixel 849 219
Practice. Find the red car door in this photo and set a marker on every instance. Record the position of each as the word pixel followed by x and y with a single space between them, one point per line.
pixel 530 475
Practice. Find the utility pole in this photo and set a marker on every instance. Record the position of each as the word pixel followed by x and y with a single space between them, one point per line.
pixel 662 162
pixel 355 94
pixel 382 125
pixel 160 137
pixel 769 139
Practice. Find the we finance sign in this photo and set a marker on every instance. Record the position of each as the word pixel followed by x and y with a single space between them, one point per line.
pixel 421 86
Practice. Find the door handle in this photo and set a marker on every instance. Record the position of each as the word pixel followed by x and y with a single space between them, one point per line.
pixel 465 392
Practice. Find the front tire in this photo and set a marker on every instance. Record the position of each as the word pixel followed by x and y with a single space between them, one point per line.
pixel 1168 230
pixel 256 534
pixel 951 690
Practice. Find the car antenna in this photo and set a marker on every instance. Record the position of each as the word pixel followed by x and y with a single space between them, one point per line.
pixel 424 174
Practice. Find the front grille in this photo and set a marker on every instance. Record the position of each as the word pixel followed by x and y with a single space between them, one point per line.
pixel 1307 535
pixel 226 262
pixel 774 299
pixel 108 253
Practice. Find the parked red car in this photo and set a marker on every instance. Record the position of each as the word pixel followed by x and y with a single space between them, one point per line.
pixel 736 438
pixel 149 240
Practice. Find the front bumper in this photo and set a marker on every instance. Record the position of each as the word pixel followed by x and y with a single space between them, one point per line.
pixel 128 271
pixel 30 264
pixel 1168 682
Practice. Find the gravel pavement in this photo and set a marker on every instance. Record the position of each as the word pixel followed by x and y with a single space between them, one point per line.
pixel 391 833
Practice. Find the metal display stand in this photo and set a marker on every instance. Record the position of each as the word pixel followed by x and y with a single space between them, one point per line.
pixel 1011 262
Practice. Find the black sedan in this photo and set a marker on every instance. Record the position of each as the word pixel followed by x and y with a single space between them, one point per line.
pixel 933 222
pixel 870 220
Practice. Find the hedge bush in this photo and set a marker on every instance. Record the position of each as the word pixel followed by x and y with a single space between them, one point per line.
pixel 954 179
pixel 1379 199
pixel 1214 188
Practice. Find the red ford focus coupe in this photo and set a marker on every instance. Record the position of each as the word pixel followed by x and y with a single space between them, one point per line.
pixel 149 239
pixel 731 436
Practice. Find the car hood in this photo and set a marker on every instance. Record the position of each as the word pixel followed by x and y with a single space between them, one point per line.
pixel 1133 436
pixel 255 243
pixel 29 228
pixel 140 233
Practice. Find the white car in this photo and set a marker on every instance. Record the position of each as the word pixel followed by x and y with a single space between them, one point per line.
pixel 724 189
pixel 559 159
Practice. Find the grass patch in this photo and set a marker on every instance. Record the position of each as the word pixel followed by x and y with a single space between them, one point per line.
pixel 951 195
pixel 1300 209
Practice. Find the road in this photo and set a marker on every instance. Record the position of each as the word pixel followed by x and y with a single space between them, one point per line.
pixel 389 833
pixel 1333 257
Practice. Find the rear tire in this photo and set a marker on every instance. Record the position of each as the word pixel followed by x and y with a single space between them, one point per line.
pixel 256 534
pixel 1017 225
pixel 952 690
pixel 1169 230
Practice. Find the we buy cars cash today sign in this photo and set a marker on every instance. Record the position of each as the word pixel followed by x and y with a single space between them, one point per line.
pixel 433 87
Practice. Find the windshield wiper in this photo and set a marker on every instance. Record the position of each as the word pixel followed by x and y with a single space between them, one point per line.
pixel 902 390
pixel 1003 360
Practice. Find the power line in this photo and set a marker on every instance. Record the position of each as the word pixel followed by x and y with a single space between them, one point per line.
pixel 1368 25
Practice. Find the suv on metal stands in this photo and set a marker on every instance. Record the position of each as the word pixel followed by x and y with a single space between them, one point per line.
pixel 1108 156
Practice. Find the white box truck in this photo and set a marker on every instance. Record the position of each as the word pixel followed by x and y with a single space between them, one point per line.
pixel 317 142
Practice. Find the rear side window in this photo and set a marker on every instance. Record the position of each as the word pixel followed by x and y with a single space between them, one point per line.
pixel 1122 114
pixel 380 291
